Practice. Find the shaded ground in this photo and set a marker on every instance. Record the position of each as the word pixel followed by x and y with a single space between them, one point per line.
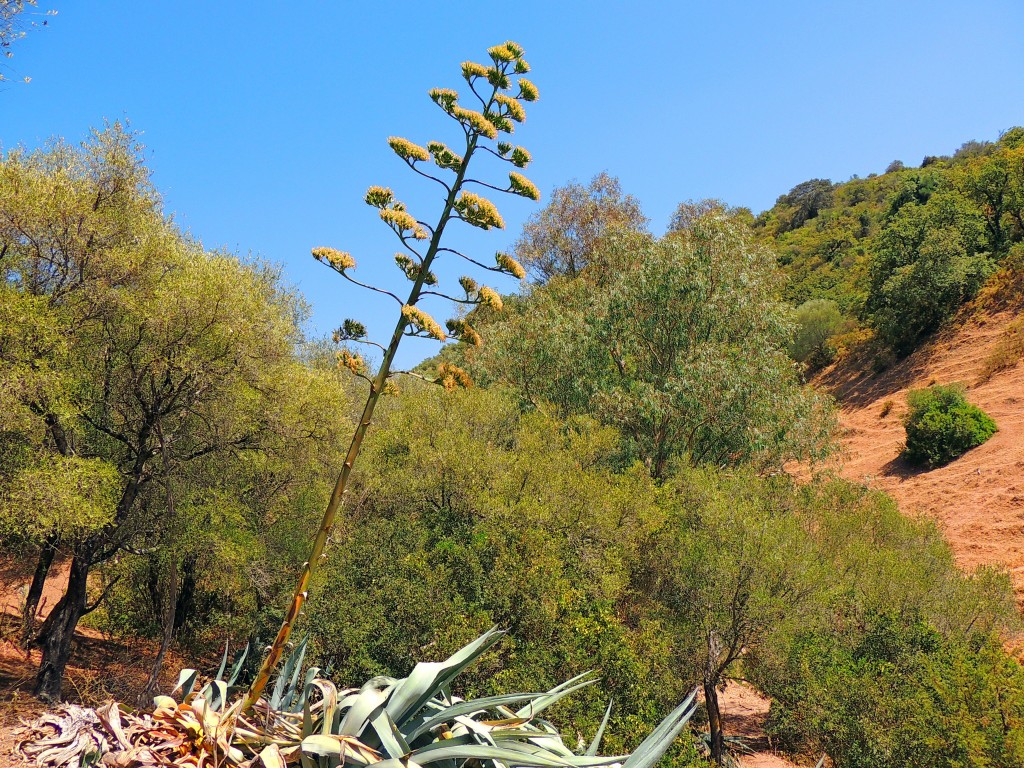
pixel 978 500
pixel 101 667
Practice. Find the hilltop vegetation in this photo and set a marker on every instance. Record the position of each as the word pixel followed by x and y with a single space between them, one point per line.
pixel 900 252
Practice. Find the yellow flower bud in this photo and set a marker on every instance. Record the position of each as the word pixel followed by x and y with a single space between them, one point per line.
pixel 451 376
pixel 443 156
pixel 523 186
pixel 479 211
pixel 339 260
pixel 527 90
pixel 520 157
pixel 424 322
pixel 471 69
pixel 475 121
pixel 510 265
pixel 512 107
pixel 490 298
pixel 406 150
pixel 501 53
pixel 354 363
pixel 379 197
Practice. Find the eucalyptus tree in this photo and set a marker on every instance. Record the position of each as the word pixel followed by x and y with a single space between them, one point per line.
pixel 683 344
pixel 561 238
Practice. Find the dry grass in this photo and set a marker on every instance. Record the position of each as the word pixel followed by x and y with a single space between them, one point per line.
pixel 1006 353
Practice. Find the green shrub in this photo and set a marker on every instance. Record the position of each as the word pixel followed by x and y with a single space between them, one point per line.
pixel 817 321
pixel 941 425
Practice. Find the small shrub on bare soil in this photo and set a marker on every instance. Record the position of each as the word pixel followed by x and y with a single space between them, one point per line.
pixel 941 425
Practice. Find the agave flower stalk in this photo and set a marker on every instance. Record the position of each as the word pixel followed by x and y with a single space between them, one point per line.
pixel 491 86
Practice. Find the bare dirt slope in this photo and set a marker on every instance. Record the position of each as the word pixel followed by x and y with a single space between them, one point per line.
pixel 978 500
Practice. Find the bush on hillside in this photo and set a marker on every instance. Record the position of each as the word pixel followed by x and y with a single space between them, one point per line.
pixel 941 425
pixel 817 322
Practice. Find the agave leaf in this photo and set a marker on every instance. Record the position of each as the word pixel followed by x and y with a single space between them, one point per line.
pixel 596 743
pixel 367 702
pixel 236 668
pixel 223 662
pixel 216 694
pixel 481 752
pixel 580 761
pixel 288 678
pixel 550 740
pixel 271 757
pixel 186 682
pixel 391 741
pixel 555 694
pixel 164 702
pixel 660 739
pixel 466 708
pixel 409 695
pixel 340 748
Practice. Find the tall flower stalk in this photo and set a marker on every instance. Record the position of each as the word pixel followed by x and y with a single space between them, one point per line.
pixel 492 86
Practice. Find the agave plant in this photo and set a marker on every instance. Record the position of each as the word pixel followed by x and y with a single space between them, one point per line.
pixel 387 723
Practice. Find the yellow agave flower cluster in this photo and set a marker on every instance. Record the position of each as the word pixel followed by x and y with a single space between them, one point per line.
pixel 339 260
pixel 421 321
pixel 452 377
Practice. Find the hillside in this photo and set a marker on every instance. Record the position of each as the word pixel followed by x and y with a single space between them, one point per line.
pixel 978 499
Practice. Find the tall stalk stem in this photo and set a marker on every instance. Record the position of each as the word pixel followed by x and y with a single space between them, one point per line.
pixel 301 592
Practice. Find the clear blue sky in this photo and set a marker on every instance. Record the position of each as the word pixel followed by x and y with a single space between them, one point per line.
pixel 264 122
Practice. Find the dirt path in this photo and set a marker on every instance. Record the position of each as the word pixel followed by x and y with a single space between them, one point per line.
pixel 978 500
pixel 744 712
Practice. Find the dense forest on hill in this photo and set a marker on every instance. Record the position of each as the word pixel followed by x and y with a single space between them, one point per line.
pixel 900 252
pixel 599 473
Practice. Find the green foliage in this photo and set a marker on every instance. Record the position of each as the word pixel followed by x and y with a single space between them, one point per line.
pixel 941 425
pixel 560 239
pixel 902 251
pixel 803 203
pixel 69 496
pixel 817 321
pixel 927 264
pixel 896 693
pixel 683 344
pixel 473 514
pixel 146 383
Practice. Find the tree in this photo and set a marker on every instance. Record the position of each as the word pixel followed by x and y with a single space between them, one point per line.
pixel 175 354
pixel 929 260
pixel 681 346
pixel 804 202
pixel 817 321
pixel 732 568
pixel 689 213
pixel 560 239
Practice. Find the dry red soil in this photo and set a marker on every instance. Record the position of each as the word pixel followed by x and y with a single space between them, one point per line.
pixel 977 500
pixel 101 668
pixel 744 712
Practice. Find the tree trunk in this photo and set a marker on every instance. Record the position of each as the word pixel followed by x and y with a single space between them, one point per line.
pixel 169 614
pixel 35 590
pixel 170 590
pixel 58 630
pixel 714 722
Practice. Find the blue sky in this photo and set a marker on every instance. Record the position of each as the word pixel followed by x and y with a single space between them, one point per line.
pixel 265 123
